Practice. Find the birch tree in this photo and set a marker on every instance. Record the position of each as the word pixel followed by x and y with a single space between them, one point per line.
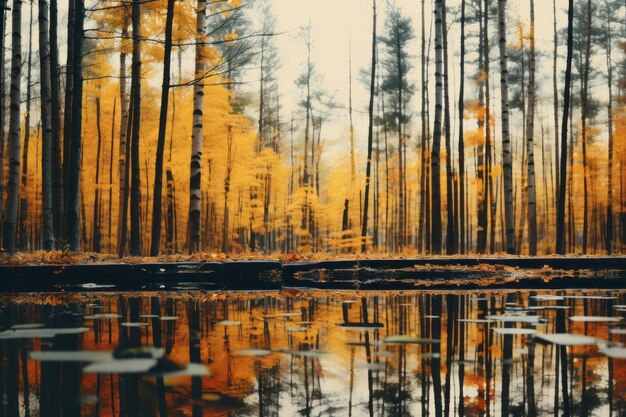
pixel 195 194
pixel 435 162
pixel 507 158
pixel 530 154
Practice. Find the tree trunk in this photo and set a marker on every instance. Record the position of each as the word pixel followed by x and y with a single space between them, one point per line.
pixel 47 193
pixel 155 244
pixel 609 206
pixel 195 194
pixel 555 95
pixel 530 153
pixel 96 230
pixel 507 157
pixel 583 121
pixel 122 216
pixel 110 212
pixel 24 200
pixel 3 20
pixel 74 129
pixel 370 134
pixel 481 195
pixel 422 206
pixel 10 221
pixel 57 166
pixel 461 139
pixel 435 160
pixel 560 212
pixel 451 233
pixel 135 179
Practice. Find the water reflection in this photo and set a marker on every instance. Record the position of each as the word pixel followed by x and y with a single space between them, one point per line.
pixel 314 353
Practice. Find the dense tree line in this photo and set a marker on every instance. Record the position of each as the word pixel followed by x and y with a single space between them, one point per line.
pixel 124 145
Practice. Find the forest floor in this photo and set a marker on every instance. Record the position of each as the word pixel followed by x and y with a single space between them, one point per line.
pixel 62 257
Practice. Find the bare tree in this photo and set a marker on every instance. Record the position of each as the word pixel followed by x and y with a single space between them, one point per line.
pixel 560 212
pixel 370 133
pixel 10 220
pixel 46 121
pixel 158 171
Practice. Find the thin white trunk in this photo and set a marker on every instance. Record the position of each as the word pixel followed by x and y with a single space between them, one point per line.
pixel 195 195
pixel 507 158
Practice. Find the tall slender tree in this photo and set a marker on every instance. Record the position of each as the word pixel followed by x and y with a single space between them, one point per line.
pixel 47 193
pixel 72 213
pixel 135 178
pixel 507 157
pixel 10 220
pixel 560 212
pixel 435 167
pixel 23 205
pixel 57 165
pixel 195 194
pixel 451 232
pixel 155 243
pixel 123 153
pixel 530 145
pixel 461 106
pixel 370 133
pixel 3 20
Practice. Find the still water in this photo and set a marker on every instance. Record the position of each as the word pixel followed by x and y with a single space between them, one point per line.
pixel 314 353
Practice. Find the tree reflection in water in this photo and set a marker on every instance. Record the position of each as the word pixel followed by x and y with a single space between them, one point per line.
pixel 315 353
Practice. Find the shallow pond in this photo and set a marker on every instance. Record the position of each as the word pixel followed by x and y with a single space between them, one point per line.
pixel 314 353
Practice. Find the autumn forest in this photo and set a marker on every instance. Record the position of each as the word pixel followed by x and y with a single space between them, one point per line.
pixel 149 127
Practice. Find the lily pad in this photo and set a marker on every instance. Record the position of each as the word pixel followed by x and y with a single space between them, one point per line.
pixel 595 319
pixel 252 352
pixel 512 318
pixel 40 333
pixel 103 316
pixel 404 340
pixel 615 352
pixel 229 323
pixel 475 320
pixel 27 326
pixel 547 297
pixel 131 324
pixel 513 331
pixel 168 318
pixel 567 339
pixel 71 356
